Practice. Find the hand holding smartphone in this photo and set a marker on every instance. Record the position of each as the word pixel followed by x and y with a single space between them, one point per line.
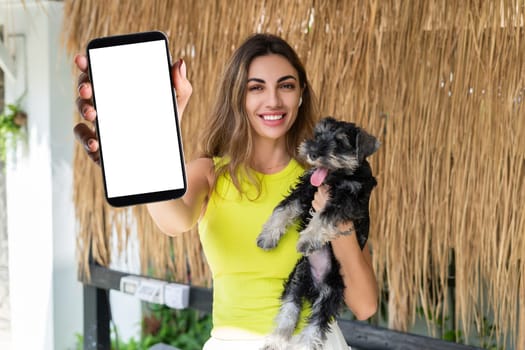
pixel 137 124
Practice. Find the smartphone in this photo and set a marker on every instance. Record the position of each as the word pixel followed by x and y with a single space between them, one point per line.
pixel 137 124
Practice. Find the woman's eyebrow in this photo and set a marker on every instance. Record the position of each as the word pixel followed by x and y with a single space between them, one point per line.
pixel 286 77
pixel 257 80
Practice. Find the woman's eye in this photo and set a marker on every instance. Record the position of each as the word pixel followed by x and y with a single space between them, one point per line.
pixel 288 86
pixel 255 88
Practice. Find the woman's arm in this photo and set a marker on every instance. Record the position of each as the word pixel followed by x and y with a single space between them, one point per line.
pixel 176 216
pixel 361 292
pixel 172 217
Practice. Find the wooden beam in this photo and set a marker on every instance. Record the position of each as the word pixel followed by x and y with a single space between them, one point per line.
pixel 97 316
pixel 360 335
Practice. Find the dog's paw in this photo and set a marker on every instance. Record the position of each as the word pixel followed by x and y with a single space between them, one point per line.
pixel 267 240
pixel 276 343
pixel 306 343
pixel 269 347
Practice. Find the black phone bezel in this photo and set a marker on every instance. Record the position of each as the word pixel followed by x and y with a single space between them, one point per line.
pixel 138 198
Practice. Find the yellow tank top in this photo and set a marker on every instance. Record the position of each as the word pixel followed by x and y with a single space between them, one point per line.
pixel 247 281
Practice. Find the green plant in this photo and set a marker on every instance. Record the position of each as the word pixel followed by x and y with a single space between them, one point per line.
pixel 486 335
pixel 13 123
pixel 185 329
pixel 79 345
pixel 446 330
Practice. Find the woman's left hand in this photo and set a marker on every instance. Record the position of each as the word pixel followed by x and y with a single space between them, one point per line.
pixel 356 264
pixel 321 197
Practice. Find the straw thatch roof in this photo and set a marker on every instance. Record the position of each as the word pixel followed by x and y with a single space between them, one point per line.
pixel 440 82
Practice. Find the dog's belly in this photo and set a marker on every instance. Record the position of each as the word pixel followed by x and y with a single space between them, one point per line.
pixel 320 263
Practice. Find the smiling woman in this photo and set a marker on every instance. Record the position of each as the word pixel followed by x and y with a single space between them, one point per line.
pixel 264 109
pixel 258 109
pixel 407 73
pixel 272 98
pixel 258 89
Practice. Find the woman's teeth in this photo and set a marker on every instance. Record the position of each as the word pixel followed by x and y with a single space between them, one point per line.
pixel 273 117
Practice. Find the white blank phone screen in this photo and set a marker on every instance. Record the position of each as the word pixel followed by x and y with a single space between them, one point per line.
pixel 136 118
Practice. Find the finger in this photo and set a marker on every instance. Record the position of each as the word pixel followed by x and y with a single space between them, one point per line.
pixel 83 78
pixel 316 202
pixel 86 137
pixel 316 206
pixel 86 109
pixel 81 62
pixel 181 84
pixel 84 103
pixel 88 140
pixel 174 69
pixel 324 191
pixel 318 196
pixel 85 91
pixel 177 72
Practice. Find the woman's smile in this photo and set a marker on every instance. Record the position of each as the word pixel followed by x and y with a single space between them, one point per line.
pixel 272 96
pixel 273 118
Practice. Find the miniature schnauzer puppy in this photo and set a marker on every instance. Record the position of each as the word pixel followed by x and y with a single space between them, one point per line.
pixel 337 154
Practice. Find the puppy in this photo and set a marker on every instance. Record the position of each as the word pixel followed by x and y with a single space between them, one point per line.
pixel 337 154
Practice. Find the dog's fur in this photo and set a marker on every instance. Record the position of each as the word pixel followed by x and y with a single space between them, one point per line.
pixel 341 148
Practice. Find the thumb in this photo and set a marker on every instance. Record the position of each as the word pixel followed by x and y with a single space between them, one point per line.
pixel 181 84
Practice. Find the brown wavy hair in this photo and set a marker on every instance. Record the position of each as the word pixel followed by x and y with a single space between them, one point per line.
pixel 228 133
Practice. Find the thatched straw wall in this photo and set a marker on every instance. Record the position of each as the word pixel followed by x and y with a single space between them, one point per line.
pixel 441 83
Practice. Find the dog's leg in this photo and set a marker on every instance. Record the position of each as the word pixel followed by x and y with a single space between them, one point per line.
pixel 286 322
pixel 282 216
pixel 318 232
pixel 313 336
pixel 326 303
pixel 289 313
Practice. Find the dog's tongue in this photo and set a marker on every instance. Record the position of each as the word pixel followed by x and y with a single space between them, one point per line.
pixel 318 176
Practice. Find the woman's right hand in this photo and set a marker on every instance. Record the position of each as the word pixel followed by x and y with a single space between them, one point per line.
pixel 85 133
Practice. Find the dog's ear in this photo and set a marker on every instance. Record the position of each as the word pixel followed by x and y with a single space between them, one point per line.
pixel 366 144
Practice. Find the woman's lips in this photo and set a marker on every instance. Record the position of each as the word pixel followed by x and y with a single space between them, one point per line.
pixel 273 119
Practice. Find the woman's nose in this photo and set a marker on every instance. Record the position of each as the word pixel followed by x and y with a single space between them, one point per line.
pixel 274 98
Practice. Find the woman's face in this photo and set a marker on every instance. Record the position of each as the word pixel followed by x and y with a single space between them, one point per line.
pixel 272 96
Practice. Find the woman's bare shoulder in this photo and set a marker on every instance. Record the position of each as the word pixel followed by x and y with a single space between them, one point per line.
pixel 202 163
pixel 202 167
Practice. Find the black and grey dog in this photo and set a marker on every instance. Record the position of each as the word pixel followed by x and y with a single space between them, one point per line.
pixel 337 153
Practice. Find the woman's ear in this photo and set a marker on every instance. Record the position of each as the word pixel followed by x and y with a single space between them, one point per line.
pixel 301 95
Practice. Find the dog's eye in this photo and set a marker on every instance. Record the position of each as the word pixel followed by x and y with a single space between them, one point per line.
pixel 342 139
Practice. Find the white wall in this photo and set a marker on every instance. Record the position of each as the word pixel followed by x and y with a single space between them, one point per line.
pixel 67 291
pixel 46 298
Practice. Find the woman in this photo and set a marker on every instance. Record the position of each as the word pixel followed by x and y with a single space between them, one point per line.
pixel 264 109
